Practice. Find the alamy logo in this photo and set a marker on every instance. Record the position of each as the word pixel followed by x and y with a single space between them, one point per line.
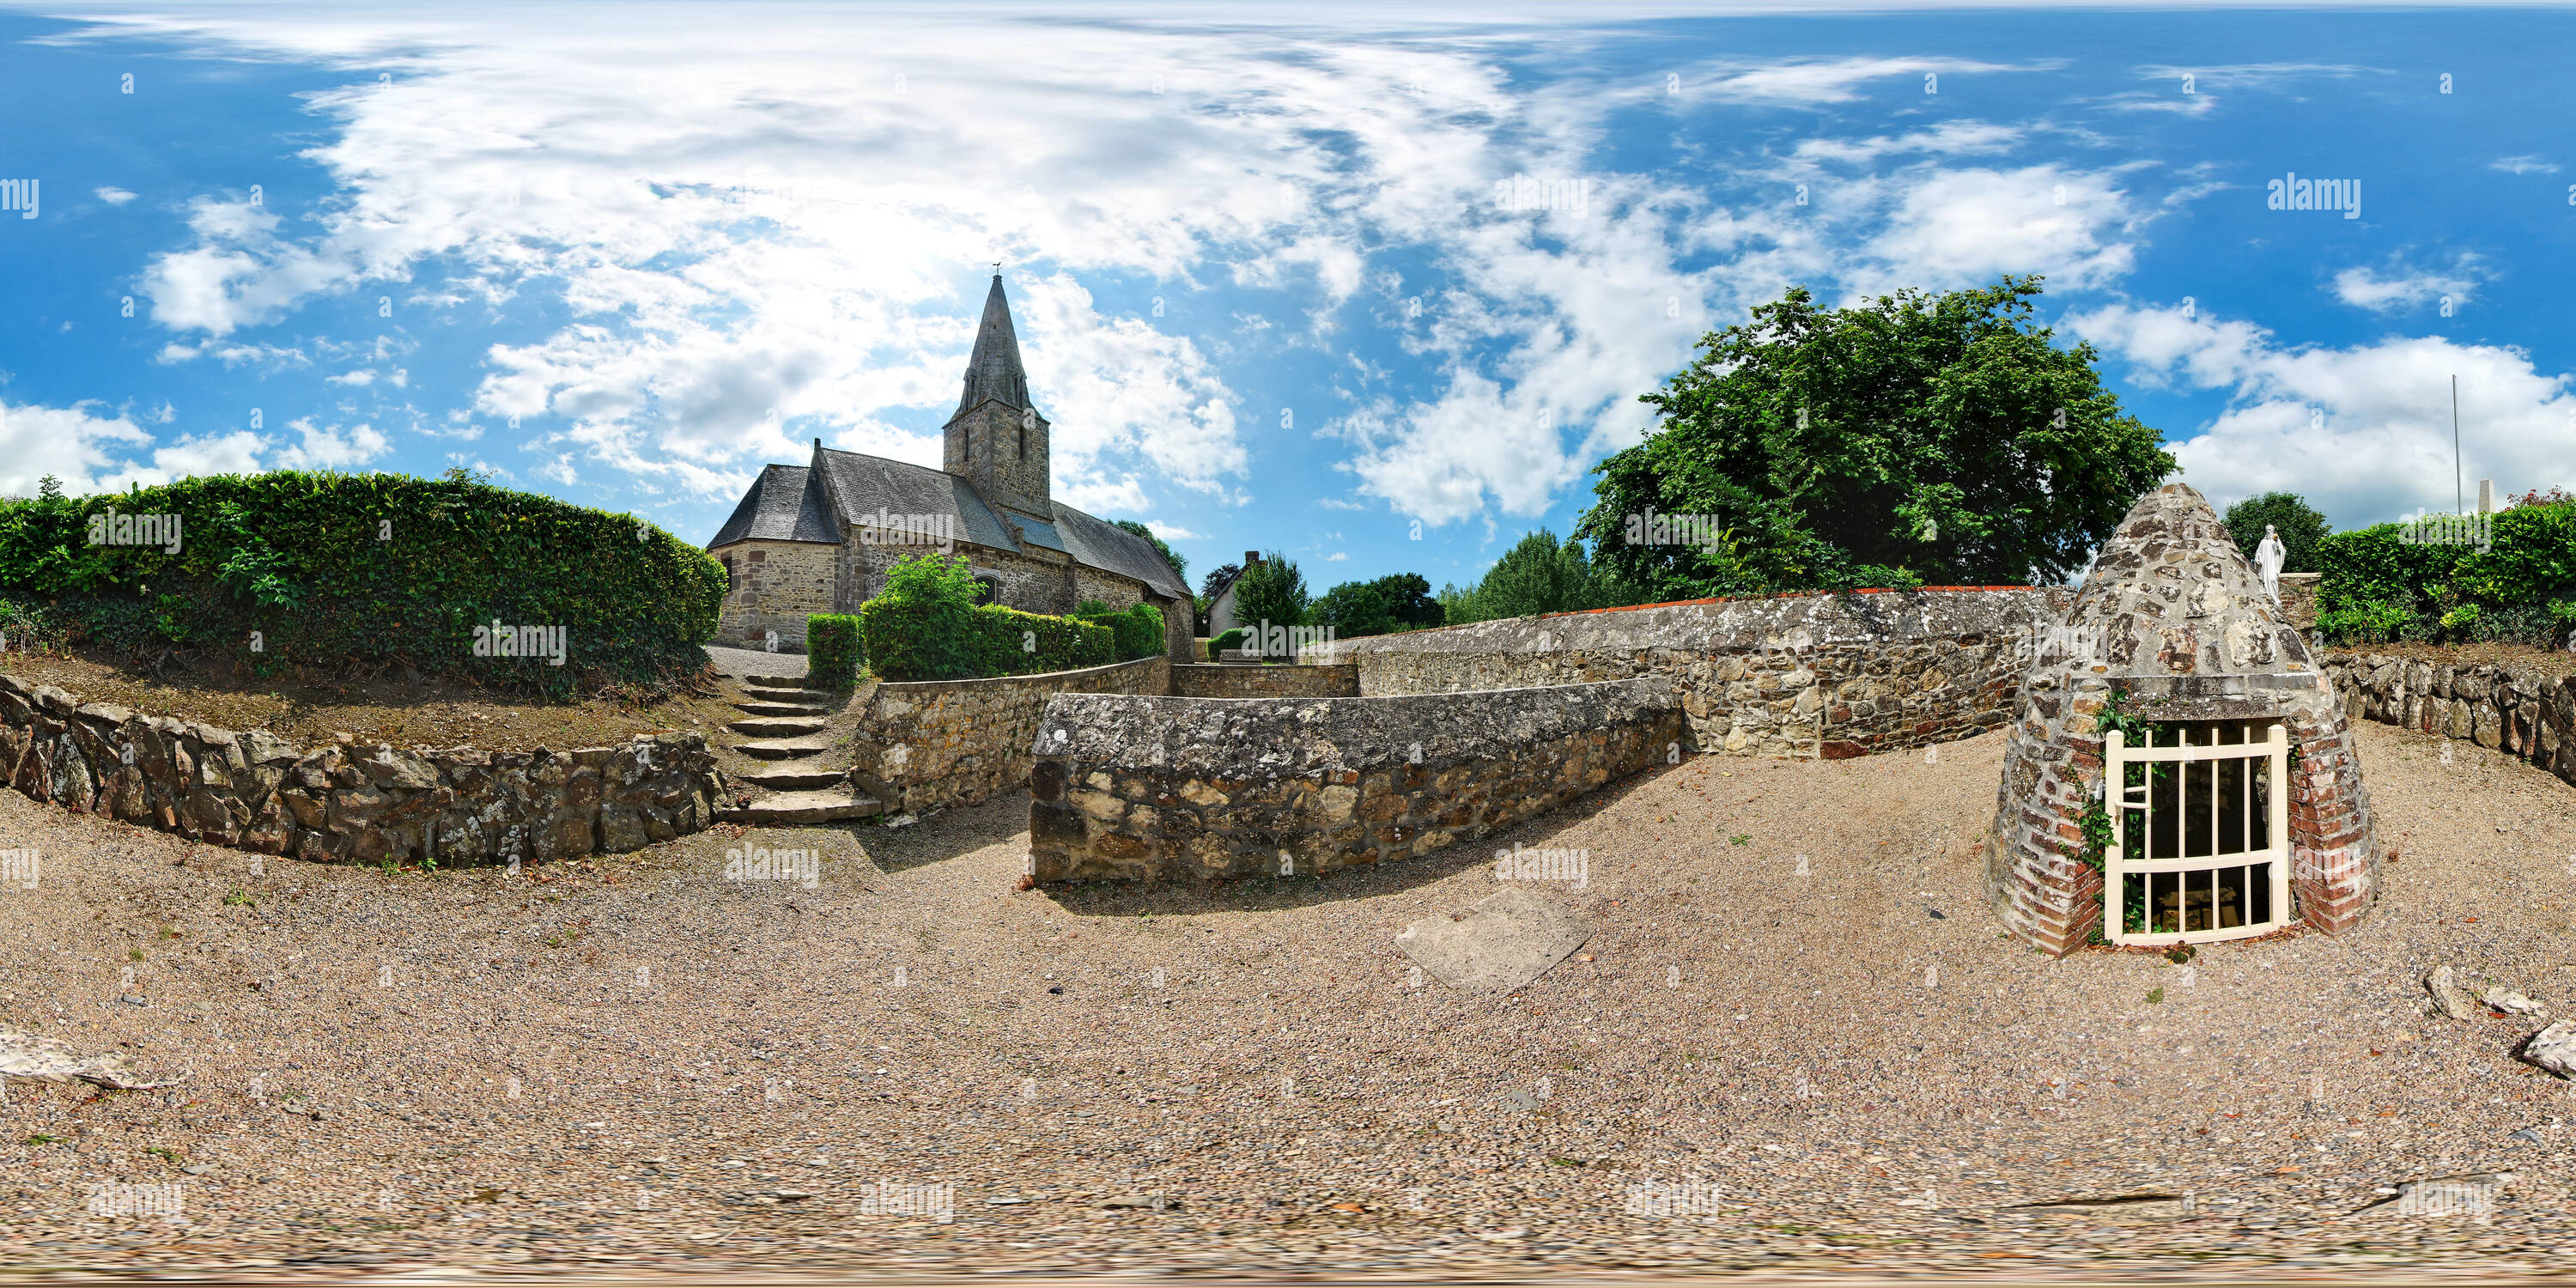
pixel 117 1199
pixel 884 529
pixel 2294 193
pixel 19 195
pixel 114 529
pixel 885 1198
pixel 1284 641
pixel 1521 863
pixel 1697 531
pixel 1521 192
pixel 2421 529
pixel 1687 1198
pixel 804 866
pixel 496 640
pixel 18 868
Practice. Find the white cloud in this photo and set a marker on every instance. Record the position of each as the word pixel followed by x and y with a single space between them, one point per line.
pixel 1173 531
pixel 1338 556
pixel 114 196
pixel 2363 432
pixel 74 444
pixel 2403 287
pixel 1949 138
pixel 2531 164
pixel 330 449
pixel 1822 80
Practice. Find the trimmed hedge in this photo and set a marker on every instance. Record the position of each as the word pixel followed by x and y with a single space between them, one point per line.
pixel 1012 642
pixel 2379 585
pixel 1232 639
pixel 832 649
pixel 1137 631
pixel 360 573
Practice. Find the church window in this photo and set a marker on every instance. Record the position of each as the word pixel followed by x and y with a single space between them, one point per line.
pixel 1024 442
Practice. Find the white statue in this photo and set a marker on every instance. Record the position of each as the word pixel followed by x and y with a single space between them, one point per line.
pixel 2267 561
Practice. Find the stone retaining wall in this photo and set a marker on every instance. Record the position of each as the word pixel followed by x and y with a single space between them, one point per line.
pixel 1209 680
pixel 1805 675
pixel 2530 716
pixel 1167 788
pixel 940 744
pixel 252 791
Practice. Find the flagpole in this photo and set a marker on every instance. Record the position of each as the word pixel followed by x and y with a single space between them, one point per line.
pixel 2459 495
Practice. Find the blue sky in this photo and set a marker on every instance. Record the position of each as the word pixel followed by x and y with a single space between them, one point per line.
pixel 1268 289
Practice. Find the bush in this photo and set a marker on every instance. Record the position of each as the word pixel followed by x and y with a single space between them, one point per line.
pixel 360 573
pixel 922 626
pixel 1011 642
pixel 1232 639
pixel 832 649
pixel 1136 631
pixel 2379 585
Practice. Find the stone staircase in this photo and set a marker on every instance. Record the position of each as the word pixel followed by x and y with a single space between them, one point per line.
pixel 787 726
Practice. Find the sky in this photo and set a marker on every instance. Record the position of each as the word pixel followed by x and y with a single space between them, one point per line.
pixel 1374 286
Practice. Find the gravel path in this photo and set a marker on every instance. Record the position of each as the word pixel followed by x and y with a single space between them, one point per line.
pixel 739 662
pixel 1861 1070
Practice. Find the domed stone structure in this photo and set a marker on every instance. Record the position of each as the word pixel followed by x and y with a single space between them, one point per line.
pixel 2241 808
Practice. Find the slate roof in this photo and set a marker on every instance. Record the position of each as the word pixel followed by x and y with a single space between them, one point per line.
pixel 994 370
pixel 783 505
pixel 1102 544
pixel 868 484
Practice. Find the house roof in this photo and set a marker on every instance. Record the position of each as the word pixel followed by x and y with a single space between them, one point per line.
pixel 1102 544
pixel 784 504
pixel 868 484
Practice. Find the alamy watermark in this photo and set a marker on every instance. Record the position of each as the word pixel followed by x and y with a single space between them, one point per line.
pixel 18 868
pixel 802 866
pixel 1685 1198
pixel 1521 863
pixel 1272 640
pixel 1696 531
pixel 886 529
pixel 114 529
pixel 2467 1196
pixel 19 195
pixel 114 1198
pixel 2294 193
pixel 886 1198
pixel 2421 529
pixel 497 640
pixel 1521 192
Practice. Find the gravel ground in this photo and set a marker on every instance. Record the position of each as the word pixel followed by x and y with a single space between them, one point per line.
pixel 739 662
pixel 1864 1072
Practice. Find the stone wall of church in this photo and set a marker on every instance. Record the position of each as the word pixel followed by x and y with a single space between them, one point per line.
pixel 775 586
pixel 993 459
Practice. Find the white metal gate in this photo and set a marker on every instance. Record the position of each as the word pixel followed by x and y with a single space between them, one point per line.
pixel 2200 833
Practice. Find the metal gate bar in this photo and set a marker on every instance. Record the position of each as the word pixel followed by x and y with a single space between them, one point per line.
pixel 2260 767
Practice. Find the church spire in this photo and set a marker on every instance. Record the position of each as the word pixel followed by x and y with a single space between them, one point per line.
pixel 994 371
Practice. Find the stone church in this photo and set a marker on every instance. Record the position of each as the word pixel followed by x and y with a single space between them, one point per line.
pixel 819 537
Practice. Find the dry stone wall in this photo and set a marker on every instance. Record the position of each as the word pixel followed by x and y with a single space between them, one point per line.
pixel 250 790
pixel 1208 680
pixel 2524 714
pixel 1805 675
pixel 940 744
pixel 1167 789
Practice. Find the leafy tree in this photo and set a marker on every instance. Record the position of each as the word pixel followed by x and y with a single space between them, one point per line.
pixel 1180 564
pixel 1397 602
pixel 1217 578
pixel 1458 605
pixel 1544 575
pixel 1272 591
pixel 1917 438
pixel 2300 526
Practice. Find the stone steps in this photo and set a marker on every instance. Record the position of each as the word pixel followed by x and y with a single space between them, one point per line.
pixel 789 778
pixel 803 807
pixel 786 748
pixel 774 681
pixel 777 727
pixel 780 709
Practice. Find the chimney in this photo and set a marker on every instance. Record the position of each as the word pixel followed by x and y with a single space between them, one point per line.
pixel 1251 558
pixel 2486 496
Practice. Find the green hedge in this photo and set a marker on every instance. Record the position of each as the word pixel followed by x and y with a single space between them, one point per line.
pixel 360 573
pixel 1011 642
pixel 832 651
pixel 2379 585
pixel 1137 631
pixel 1232 639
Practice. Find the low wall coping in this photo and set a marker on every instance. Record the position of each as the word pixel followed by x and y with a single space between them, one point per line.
pixel 920 686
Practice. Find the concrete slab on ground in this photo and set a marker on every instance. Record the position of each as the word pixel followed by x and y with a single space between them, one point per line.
pixel 1510 939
